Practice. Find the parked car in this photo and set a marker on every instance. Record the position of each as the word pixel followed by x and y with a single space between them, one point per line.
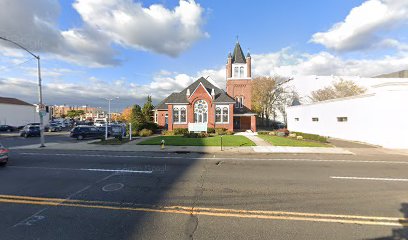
pixel 99 123
pixel 103 129
pixel 83 131
pixel 30 131
pixel 57 123
pixel 37 125
pixel 54 127
pixel 278 125
pixel 7 128
pixel 89 123
pixel 4 155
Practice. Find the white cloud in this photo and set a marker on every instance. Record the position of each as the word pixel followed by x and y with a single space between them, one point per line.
pixel 363 25
pixel 287 63
pixel 304 67
pixel 154 28
pixel 34 24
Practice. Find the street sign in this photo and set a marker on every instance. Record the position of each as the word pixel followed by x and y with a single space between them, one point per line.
pixel 197 127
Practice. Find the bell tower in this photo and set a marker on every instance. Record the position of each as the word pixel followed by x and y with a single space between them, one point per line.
pixel 239 77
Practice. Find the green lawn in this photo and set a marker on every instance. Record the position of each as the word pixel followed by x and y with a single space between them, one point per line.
pixel 227 140
pixel 285 141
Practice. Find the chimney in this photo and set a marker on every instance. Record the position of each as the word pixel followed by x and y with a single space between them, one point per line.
pixel 188 93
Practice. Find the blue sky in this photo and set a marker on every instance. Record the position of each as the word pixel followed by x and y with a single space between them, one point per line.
pixel 87 53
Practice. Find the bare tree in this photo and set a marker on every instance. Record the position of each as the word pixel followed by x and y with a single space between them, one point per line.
pixel 268 94
pixel 342 88
pixel 286 99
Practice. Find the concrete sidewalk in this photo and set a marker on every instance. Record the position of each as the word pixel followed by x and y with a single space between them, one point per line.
pixel 133 147
pixel 257 140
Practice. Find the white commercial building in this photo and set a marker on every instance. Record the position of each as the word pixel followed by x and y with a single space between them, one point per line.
pixel 15 112
pixel 379 117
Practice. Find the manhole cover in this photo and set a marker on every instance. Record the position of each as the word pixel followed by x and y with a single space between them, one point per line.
pixel 113 187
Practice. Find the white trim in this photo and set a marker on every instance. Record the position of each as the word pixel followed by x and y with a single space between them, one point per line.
pixel 179 112
pixel 204 89
pixel 239 66
pixel 241 78
pixel 222 119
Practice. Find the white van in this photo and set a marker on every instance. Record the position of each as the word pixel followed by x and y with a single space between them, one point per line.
pixel 99 123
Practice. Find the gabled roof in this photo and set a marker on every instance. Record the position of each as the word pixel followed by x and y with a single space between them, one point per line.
pixel 14 101
pixel 181 97
pixel 162 105
pixel 200 84
pixel 238 55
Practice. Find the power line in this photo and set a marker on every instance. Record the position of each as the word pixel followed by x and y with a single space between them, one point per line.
pixel 4 68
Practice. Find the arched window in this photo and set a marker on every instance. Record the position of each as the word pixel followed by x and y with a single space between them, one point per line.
pixel 222 114
pixel 241 71
pixel 176 115
pixel 236 71
pixel 200 111
pixel 239 102
pixel 183 115
pixel 217 114
pixel 225 114
pixel 179 114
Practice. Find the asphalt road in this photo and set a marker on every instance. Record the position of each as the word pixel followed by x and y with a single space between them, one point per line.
pixel 53 137
pixel 101 195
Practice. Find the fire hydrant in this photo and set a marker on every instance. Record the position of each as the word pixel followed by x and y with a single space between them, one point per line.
pixel 162 144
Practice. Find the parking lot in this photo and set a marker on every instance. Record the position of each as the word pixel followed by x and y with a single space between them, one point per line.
pixel 14 140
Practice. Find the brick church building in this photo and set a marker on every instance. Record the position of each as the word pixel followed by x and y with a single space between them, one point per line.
pixel 203 105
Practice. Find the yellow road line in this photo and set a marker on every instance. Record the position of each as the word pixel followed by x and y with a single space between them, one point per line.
pixel 254 214
pixel 295 213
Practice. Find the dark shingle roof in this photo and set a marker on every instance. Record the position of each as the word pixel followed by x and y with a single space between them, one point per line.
pixel 238 55
pixel 162 105
pixel 181 97
pixel 14 101
pixel 243 110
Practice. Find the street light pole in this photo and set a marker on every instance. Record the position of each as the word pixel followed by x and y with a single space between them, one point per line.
pixel 40 100
pixel 108 118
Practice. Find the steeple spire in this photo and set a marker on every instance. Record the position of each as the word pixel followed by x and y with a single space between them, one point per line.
pixel 238 55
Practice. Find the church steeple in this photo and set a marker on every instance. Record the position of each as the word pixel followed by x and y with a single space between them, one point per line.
pixel 238 66
pixel 238 55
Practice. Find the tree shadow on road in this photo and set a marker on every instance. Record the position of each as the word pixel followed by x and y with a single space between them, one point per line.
pixel 399 233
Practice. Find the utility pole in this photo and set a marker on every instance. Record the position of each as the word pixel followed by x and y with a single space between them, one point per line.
pixel 108 118
pixel 41 107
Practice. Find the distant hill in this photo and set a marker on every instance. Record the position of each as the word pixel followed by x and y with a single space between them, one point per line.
pixel 400 74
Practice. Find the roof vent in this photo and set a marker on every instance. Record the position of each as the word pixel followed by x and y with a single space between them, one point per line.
pixel 212 93
pixel 188 93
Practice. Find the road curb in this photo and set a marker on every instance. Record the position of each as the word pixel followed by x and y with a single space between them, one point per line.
pixel 176 151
